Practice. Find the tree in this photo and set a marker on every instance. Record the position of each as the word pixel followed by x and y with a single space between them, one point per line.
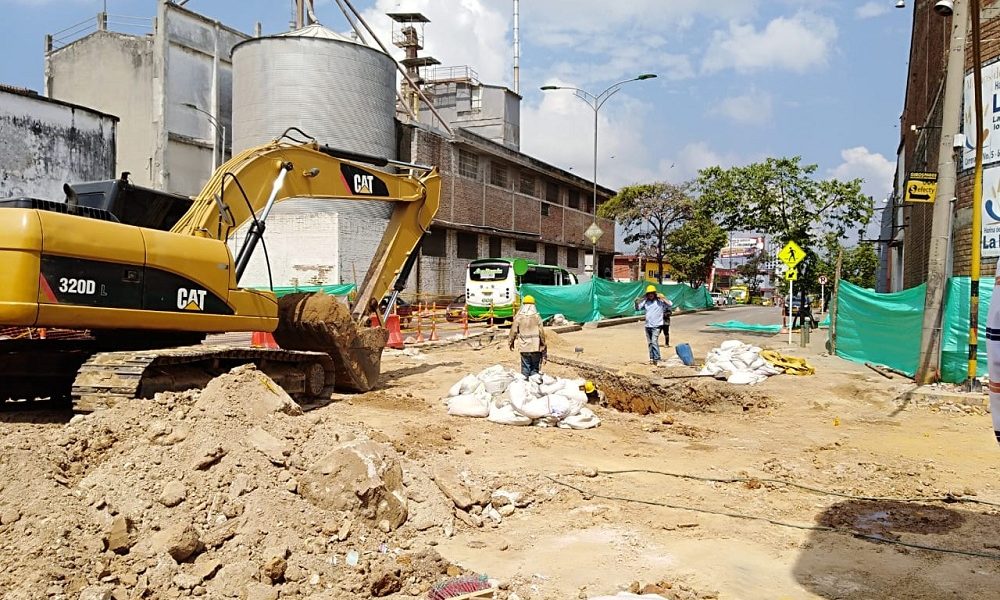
pixel 860 265
pixel 751 271
pixel 647 213
pixel 781 197
pixel 692 248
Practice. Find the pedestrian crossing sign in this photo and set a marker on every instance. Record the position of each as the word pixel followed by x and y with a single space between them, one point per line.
pixel 791 275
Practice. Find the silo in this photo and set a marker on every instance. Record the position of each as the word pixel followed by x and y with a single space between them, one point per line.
pixel 340 92
pixel 335 89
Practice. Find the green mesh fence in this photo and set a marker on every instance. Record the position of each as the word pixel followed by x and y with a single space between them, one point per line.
pixel 341 289
pixel 600 298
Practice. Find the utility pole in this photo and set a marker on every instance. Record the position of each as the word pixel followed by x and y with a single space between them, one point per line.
pixel 929 362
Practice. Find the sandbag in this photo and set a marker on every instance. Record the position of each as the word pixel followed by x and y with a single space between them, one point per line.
pixel 469 405
pixel 550 388
pixel 585 419
pixel 468 384
pixel 575 394
pixel 533 408
pixel 548 379
pixel 506 415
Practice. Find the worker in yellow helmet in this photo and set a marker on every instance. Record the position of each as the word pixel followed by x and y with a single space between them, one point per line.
pixel 528 335
pixel 657 309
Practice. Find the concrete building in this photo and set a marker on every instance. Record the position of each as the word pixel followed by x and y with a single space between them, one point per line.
pixel 906 227
pixel 157 83
pixel 45 143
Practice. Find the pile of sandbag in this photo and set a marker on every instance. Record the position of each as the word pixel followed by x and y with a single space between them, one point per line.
pixel 738 363
pixel 507 397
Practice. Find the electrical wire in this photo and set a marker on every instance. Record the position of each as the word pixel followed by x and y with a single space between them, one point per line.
pixel 253 215
pixel 734 515
pixel 946 499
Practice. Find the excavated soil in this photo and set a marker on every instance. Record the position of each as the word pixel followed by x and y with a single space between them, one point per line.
pixel 230 492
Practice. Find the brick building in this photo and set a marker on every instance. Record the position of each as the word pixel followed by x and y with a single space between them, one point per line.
pixel 498 202
pixel 906 228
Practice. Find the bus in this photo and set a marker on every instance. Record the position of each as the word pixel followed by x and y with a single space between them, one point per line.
pixel 491 284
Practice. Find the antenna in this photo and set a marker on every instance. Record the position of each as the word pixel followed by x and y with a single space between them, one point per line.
pixel 517 46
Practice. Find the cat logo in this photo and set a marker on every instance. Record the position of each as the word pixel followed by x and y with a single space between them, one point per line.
pixel 191 299
pixel 363 184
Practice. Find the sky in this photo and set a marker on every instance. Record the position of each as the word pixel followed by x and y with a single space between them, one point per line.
pixel 738 80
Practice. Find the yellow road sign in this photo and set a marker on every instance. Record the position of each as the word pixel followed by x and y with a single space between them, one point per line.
pixel 921 187
pixel 791 255
pixel 791 274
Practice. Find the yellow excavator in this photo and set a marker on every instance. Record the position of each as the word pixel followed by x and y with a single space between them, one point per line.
pixel 147 283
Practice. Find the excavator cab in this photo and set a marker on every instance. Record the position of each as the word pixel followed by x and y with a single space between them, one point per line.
pixel 129 203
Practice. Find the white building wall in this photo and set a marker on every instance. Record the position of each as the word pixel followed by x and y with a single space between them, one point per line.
pixel 44 144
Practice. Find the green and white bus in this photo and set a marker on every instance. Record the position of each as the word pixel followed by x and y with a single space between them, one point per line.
pixel 491 284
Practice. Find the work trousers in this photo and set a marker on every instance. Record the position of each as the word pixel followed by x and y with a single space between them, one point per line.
pixel 653 340
pixel 531 363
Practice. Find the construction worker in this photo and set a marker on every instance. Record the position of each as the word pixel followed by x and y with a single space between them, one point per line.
pixel 657 309
pixel 527 333
pixel 594 395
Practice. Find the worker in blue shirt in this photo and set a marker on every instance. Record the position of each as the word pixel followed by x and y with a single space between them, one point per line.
pixel 657 309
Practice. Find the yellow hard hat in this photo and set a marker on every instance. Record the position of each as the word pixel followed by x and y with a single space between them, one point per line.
pixel 650 289
pixel 529 299
pixel 588 386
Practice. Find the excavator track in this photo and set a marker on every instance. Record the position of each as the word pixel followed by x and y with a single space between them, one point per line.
pixel 107 378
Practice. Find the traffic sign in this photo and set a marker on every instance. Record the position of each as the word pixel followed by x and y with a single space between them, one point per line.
pixel 921 187
pixel 791 274
pixel 792 254
pixel 823 279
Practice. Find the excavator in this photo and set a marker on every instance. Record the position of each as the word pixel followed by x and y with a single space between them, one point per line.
pixel 147 282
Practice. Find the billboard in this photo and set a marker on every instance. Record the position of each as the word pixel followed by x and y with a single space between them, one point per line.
pixel 742 247
pixel 991 118
pixel 991 212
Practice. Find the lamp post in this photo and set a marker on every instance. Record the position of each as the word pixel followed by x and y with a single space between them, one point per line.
pixel 595 102
pixel 218 127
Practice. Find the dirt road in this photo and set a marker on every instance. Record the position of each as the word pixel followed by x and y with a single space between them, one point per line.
pixel 844 429
pixel 695 499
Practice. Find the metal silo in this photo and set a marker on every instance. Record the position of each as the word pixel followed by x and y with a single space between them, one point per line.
pixel 343 94
pixel 326 84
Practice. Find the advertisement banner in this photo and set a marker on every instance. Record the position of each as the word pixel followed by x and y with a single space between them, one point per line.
pixel 991 118
pixel 991 212
pixel 742 247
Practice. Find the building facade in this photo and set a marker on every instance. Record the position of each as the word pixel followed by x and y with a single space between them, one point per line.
pixel 45 143
pixel 906 227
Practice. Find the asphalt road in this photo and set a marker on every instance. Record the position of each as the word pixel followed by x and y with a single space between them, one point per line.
pixel 762 315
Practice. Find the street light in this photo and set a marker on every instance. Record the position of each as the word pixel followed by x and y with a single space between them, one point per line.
pixel 595 102
pixel 215 139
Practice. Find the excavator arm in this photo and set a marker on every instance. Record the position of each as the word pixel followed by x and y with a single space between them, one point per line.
pixel 247 186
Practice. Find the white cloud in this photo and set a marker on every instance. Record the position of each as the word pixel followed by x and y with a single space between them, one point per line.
pixel 752 108
pixel 875 8
pixel 463 32
pixel 796 43
pixel 876 170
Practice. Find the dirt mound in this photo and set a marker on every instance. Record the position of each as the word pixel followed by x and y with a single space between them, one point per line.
pixel 226 493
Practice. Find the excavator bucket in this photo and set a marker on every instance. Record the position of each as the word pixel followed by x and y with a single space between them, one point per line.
pixel 320 323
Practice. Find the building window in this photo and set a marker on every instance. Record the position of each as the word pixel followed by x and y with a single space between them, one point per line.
pixel 498 174
pixel 545 208
pixel 526 246
pixel 572 258
pixel 574 199
pixel 585 205
pixel 551 255
pixel 468 164
pixel 496 247
pixel 468 245
pixel 435 243
pixel 527 184
pixel 552 192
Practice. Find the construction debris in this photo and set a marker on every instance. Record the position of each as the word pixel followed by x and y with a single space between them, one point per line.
pixel 738 363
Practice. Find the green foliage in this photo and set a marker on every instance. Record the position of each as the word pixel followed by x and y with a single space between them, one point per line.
pixel 782 197
pixel 692 248
pixel 860 265
pixel 647 213
pixel 752 270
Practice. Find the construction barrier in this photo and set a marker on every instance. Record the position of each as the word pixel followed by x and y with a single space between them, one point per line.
pixel 885 329
pixel 395 335
pixel 602 299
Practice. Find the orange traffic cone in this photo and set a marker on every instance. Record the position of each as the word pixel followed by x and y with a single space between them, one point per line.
pixel 263 339
pixel 395 336
pixel 42 333
pixel 465 324
pixel 434 334
pixel 374 321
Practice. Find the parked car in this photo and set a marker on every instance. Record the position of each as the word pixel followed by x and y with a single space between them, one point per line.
pixel 718 299
pixel 456 310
